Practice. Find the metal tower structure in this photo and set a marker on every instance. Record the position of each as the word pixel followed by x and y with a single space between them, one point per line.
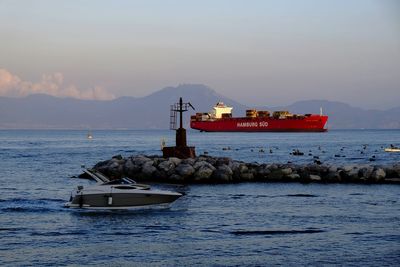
pixel 181 150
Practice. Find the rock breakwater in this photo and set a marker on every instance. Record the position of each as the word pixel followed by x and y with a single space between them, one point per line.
pixel 207 169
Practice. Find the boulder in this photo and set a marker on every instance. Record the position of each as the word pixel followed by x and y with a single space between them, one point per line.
pixel 101 164
pixel 276 175
pixel 247 176
pixel 235 166
pixel 184 170
pixel 378 175
pixel 286 171
pixel 200 164
pixel 333 176
pixel 396 168
pixel 315 178
pixel 272 167
pixel 242 168
pixel 189 161
pixel 223 174
pixel 348 168
pixel 293 176
pixel 118 157
pixel 159 176
pixel 114 170
pixel 365 172
pixel 167 166
pixel 332 169
pixel 140 160
pixel 203 173
pixel 238 169
pixel 262 172
pixel 130 168
pixel 317 169
pixel 174 160
pixel 148 169
pixel 175 178
pixel 158 161
pixel 353 174
pixel 223 161
pixel 212 161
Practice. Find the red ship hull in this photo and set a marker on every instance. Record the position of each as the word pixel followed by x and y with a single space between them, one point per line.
pixel 311 123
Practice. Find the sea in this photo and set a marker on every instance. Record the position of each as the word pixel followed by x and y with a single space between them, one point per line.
pixel 245 224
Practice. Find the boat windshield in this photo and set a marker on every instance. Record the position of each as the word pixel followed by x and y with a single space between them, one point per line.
pixel 121 181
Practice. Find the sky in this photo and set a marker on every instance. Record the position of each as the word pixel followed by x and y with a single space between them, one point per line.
pixel 260 53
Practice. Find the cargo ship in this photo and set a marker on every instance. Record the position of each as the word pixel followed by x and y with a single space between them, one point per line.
pixel 220 119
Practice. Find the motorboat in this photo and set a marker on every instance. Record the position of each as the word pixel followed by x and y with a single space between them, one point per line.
pixel 122 193
pixel 392 148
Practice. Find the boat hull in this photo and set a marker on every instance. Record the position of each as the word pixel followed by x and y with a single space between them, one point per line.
pixel 121 200
pixel 312 123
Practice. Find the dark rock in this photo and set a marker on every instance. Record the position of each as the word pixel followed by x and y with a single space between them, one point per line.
pixel 203 173
pixel 184 170
pixel 174 160
pixel 167 166
pixel 365 172
pixel 119 157
pixel 140 160
pixel 378 175
pixel 333 177
pixel 276 175
pixel 247 176
pixel 293 176
pixel 189 161
pixel 175 178
pixel 223 161
pixel 262 172
pixel 223 174
pixel 315 178
pixel 148 169
pixel 206 169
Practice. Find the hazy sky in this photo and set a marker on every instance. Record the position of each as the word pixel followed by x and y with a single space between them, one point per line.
pixel 256 52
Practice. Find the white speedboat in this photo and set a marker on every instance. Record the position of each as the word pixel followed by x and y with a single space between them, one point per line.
pixel 119 194
pixel 392 149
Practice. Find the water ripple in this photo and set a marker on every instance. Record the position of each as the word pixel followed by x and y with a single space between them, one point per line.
pixel 276 232
pixel 301 195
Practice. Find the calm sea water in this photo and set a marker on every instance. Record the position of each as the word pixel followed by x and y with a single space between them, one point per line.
pixel 241 224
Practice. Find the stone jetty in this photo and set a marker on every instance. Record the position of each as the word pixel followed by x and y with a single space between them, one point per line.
pixel 209 170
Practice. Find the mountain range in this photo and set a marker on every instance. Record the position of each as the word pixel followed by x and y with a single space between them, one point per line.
pixel 153 111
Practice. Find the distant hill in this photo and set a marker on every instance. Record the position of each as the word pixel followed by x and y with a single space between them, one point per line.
pixel 152 111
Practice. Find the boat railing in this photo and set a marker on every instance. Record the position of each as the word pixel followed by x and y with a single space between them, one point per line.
pixel 97 176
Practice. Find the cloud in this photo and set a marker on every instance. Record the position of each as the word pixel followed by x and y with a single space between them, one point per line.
pixel 50 84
